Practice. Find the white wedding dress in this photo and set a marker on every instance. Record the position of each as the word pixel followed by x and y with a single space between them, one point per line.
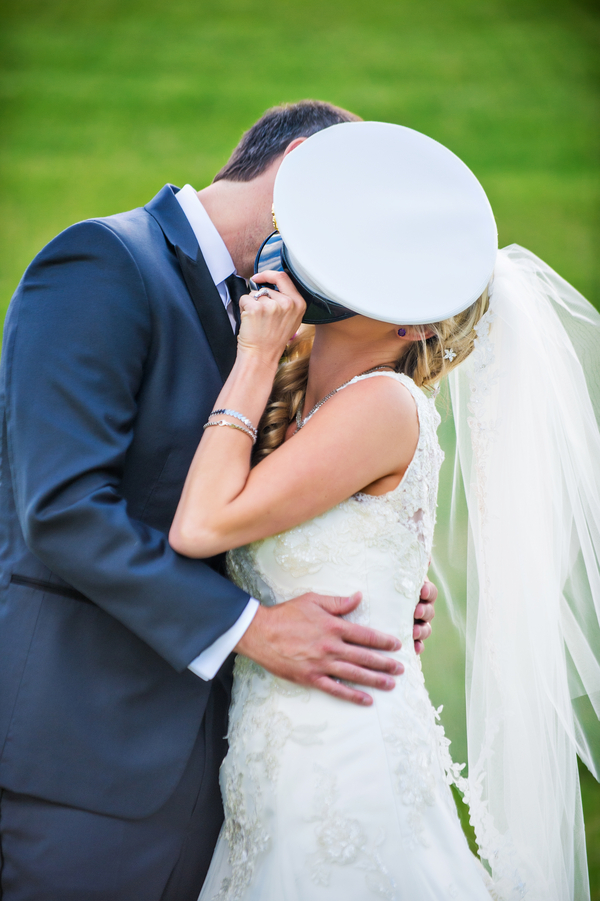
pixel 325 800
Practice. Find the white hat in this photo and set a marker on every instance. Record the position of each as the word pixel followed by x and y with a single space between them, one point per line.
pixel 384 221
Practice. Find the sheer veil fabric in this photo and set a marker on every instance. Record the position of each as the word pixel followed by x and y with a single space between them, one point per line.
pixel 527 471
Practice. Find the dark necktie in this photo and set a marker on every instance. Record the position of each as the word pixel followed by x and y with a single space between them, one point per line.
pixel 236 287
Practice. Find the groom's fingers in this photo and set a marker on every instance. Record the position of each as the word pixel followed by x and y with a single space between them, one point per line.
pixel 429 592
pixel 352 632
pixel 369 678
pixel 424 612
pixel 343 692
pixel 366 660
pixel 366 637
pixel 337 605
pixel 421 631
pixel 306 641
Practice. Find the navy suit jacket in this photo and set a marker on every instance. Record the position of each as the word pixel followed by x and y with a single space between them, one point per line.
pixel 116 345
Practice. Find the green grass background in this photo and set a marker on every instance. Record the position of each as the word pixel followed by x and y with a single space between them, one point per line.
pixel 103 102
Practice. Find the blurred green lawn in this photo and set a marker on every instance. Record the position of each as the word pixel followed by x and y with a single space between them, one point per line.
pixel 105 101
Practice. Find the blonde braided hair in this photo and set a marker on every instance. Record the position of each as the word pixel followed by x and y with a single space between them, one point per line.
pixel 425 362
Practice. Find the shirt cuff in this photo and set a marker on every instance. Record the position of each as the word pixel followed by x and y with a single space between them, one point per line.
pixel 209 662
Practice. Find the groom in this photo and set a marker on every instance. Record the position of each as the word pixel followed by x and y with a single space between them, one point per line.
pixel 113 693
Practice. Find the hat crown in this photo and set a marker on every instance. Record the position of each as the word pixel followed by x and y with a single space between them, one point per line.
pixel 385 221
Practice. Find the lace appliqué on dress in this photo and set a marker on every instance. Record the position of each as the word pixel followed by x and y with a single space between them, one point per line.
pixel 418 746
pixel 415 498
pixel 341 841
pixel 243 570
pixel 258 733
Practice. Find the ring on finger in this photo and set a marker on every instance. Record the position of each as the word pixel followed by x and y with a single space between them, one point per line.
pixel 264 292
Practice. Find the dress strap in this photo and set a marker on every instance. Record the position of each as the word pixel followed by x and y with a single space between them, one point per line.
pixel 401 377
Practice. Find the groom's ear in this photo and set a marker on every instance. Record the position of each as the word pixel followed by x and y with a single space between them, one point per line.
pixel 292 145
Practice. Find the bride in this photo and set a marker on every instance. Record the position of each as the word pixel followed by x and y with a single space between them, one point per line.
pixel 325 799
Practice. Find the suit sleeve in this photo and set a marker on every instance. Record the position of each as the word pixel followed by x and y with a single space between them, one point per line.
pixel 76 339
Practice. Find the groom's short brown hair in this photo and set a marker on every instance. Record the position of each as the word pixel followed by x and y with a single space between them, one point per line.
pixel 278 127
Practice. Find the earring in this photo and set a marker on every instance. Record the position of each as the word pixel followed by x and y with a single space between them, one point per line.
pixel 402 332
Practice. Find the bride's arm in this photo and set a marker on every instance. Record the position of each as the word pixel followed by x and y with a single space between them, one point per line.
pixel 366 432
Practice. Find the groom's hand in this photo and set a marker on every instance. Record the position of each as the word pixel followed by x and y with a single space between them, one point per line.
pixel 306 641
pixel 424 614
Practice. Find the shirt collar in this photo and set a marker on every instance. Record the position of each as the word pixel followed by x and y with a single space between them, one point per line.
pixel 216 256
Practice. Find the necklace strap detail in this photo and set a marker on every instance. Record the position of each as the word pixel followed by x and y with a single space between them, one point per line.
pixel 300 422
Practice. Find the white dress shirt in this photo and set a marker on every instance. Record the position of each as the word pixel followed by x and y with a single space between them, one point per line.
pixel 220 265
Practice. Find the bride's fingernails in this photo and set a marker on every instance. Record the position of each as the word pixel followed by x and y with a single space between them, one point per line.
pixel 399 669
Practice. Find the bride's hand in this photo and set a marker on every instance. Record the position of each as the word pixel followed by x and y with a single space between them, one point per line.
pixel 270 321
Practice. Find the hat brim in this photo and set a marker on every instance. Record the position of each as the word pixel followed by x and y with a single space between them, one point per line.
pixel 319 310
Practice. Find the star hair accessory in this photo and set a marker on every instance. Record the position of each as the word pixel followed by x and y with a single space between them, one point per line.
pixel 449 354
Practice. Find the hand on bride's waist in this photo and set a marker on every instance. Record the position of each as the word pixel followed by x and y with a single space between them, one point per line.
pixel 306 641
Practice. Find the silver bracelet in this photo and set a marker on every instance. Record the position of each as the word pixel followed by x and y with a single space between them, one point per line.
pixel 232 425
pixel 239 416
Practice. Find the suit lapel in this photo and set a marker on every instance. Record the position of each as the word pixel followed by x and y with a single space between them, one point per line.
pixel 205 297
pixel 210 309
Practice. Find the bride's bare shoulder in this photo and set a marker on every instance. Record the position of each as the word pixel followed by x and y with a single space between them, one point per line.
pixel 373 420
pixel 380 397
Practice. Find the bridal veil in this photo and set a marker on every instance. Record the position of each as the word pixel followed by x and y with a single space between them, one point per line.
pixel 526 486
